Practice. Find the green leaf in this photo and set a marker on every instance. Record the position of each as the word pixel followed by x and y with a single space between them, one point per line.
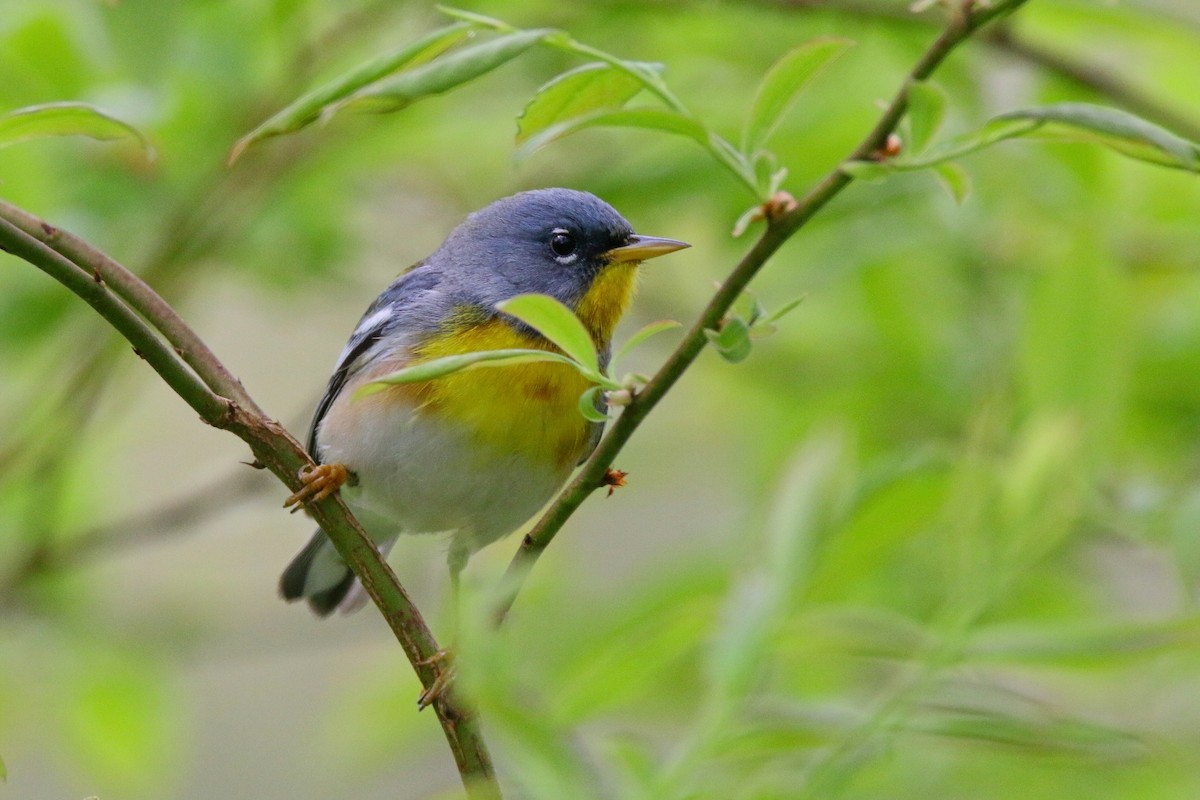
pixel 577 92
pixel 782 85
pixel 676 119
pixel 995 130
pixel 1127 134
pixel 3 771
pixel 763 324
pixel 955 178
pixel 926 110
pixel 785 309
pixel 648 74
pixel 477 20
pixel 1075 122
pixel 451 71
pixel 749 308
pixel 810 497
pixel 741 643
pixel 762 330
pixel 748 217
pixel 653 329
pixel 647 118
pixel 311 106
pixel 66 119
pixel 588 407
pixel 1017 722
pixel 1092 643
pixel 448 365
pixel 557 323
pixel 732 341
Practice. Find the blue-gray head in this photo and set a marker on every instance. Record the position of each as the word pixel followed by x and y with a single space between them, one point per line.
pixel 568 244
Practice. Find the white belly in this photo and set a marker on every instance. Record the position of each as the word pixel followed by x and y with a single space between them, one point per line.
pixel 418 475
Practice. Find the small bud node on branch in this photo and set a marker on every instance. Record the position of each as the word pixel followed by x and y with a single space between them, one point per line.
pixel 614 479
pixel 892 147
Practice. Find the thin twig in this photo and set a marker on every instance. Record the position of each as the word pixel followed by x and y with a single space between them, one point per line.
pixel 1086 74
pixel 965 22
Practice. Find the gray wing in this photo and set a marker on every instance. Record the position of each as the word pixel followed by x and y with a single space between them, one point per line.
pixel 412 301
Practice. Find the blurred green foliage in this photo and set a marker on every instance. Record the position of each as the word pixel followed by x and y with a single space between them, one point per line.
pixel 962 554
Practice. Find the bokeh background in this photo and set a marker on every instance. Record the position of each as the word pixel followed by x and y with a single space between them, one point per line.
pixel 938 537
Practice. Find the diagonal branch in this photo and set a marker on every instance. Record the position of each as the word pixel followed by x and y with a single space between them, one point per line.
pixel 139 297
pixel 90 285
pixel 196 375
pixel 1088 74
pixel 964 21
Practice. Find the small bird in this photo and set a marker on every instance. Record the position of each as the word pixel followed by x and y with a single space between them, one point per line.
pixel 478 452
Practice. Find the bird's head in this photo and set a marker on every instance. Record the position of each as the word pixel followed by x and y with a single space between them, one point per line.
pixel 564 243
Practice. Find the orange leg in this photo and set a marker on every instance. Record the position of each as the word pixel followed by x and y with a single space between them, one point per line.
pixel 319 482
pixel 443 661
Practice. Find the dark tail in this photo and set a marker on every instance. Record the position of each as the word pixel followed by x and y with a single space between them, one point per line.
pixel 319 575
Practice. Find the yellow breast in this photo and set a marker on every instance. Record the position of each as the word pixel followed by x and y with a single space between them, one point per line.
pixel 526 409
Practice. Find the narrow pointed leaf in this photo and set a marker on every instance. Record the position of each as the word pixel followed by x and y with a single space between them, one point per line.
pixel 741 642
pixel 580 91
pixel 557 323
pixel 732 341
pixel 645 333
pixel 955 179
pixel 782 85
pixel 465 64
pixel 1036 729
pixel 311 106
pixel 66 119
pixel 1127 134
pixel 763 330
pixel 588 405
pixel 784 309
pixel 802 512
pixel 995 130
pixel 478 20
pixel 926 110
pixel 648 118
pixel 1077 122
pixel 649 75
pixel 448 365
pixel 748 217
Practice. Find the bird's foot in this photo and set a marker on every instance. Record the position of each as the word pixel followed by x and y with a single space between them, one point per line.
pixel 320 481
pixel 443 662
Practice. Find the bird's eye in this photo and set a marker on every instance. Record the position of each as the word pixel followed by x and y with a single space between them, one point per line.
pixel 562 243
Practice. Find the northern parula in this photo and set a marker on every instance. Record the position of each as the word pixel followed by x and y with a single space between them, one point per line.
pixel 478 452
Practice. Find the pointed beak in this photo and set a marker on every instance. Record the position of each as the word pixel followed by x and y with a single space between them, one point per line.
pixel 640 248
